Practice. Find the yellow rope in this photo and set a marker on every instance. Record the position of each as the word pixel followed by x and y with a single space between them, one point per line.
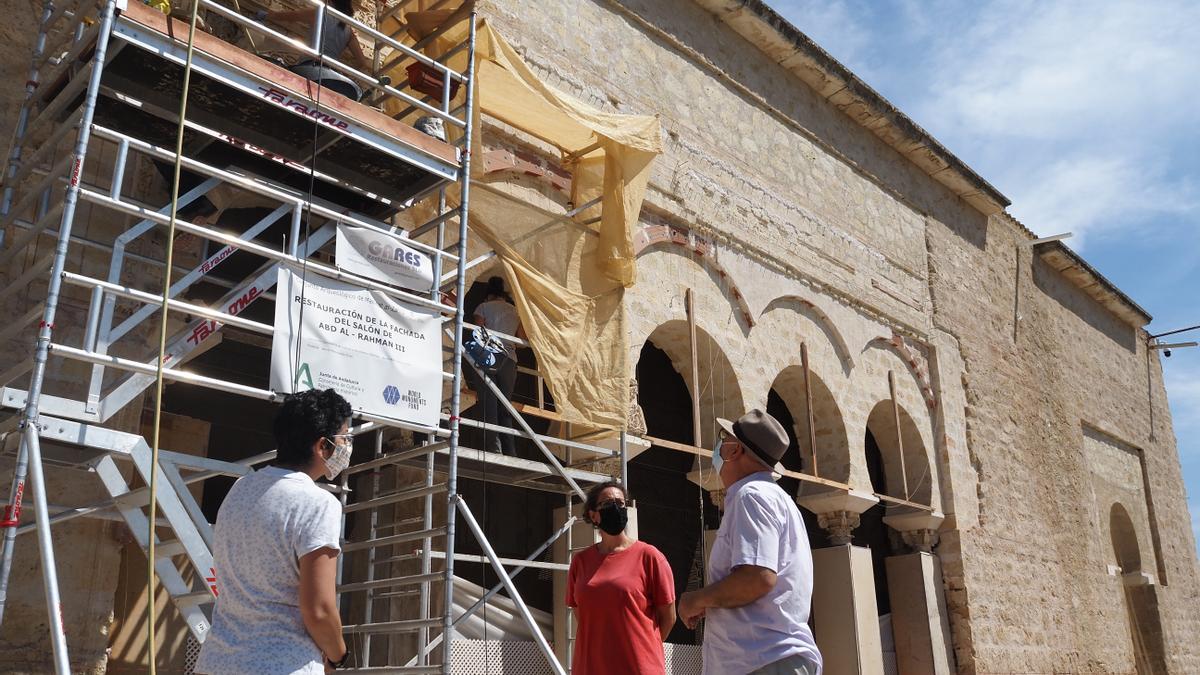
pixel 162 332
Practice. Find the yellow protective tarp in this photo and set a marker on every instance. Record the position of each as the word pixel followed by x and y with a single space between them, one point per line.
pixel 568 283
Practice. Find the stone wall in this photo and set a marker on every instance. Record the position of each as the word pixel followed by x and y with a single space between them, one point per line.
pixel 827 235
pixel 821 233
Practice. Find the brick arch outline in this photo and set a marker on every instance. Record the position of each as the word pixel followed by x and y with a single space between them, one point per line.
pixel 819 317
pixel 701 248
pixel 916 362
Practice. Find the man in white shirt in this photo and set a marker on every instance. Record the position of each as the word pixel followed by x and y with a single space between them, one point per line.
pixel 760 570
pixel 276 544
pixel 498 315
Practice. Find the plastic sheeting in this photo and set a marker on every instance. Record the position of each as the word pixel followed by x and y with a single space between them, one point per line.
pixel 498 619
pixel 567 279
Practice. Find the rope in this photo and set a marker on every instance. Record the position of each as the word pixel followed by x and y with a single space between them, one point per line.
pixel 162 331
pixel 312 181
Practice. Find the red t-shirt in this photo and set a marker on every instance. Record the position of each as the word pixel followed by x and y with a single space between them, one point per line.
pixel 614 597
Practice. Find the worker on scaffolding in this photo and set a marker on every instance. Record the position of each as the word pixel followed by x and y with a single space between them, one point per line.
pixel 276 545
pixel 760 570
pixel 497 314
pixel 336 38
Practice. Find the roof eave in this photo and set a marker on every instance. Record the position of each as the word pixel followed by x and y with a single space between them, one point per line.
pixel 796 52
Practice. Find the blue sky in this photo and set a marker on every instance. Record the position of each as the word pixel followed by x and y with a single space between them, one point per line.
pixel 1085 113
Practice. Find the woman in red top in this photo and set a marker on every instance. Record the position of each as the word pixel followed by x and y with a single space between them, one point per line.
pixel 623 593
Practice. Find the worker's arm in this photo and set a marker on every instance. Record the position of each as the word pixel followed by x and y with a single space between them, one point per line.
pixel 479 320
pixel 318 602
pixel 744 585
pixel 665 616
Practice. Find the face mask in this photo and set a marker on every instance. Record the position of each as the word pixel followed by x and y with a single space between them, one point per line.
pixel 613 519
pixel 717 460
pixel 338 461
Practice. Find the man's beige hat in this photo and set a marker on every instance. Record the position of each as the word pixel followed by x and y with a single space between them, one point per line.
pixel 760 432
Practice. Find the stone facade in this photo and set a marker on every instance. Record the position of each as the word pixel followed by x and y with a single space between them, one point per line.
pixel 1030 415
pixel 1028 427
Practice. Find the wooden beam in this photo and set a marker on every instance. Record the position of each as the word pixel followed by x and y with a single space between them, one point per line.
pixel 899 432
pixel 808 409
pixel 689 302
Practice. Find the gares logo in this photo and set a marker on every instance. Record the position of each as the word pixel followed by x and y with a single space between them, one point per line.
pixel 391 394
pixel 397 254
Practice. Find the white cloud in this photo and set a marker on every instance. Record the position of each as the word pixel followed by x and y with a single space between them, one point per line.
pixel 1091 193
pixel 1183 391
pixel 1081 112
pixel 1071 68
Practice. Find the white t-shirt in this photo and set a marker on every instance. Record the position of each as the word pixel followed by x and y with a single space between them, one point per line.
pixel 501 317
pixel 269 520
pixel 761 527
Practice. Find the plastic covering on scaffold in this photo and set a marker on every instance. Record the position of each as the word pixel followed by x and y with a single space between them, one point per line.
pixel 568 278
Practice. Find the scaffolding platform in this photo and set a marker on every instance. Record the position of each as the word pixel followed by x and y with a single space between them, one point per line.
pixel 262 114
pixel 492 467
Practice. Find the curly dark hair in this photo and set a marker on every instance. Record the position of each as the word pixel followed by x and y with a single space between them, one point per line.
pixel 305 418
pixel 593 495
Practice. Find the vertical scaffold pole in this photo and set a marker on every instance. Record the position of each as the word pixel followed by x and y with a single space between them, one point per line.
pixel 31 85
pixel 29 417
pixel 456 384
pixel 12 512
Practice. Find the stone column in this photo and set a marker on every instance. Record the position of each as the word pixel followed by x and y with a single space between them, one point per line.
pixel 920 622
pixel 845 616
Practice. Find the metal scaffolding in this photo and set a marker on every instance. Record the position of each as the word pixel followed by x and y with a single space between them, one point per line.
pixel 106 78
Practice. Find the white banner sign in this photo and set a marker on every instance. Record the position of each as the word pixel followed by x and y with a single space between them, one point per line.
pixel 383 357
pixel 383 257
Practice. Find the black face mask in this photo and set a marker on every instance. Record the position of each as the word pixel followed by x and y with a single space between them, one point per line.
pixel 613 519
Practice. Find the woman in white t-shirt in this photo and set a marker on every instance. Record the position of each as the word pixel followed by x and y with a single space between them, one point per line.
pixel 276 544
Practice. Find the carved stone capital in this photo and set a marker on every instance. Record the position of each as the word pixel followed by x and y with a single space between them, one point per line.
pixel 717 497
pixel 918 528
pixel 840 525
pixel 920 540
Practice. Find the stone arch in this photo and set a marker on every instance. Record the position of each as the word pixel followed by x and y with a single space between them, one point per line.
pixel 832 443
pixel 1140 595
pixel 916 469
pixel 1124 539
pixel 719 388
pixel 869 417
pixel 818 316
pixel 914 361
pixel 672 508
pixel 702 251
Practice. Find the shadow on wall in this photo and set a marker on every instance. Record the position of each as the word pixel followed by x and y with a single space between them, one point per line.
pixel 1062 291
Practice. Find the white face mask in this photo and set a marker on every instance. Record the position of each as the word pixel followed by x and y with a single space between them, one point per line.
pixel 339 460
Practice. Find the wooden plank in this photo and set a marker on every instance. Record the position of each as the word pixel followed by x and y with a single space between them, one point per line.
pixel 694 450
